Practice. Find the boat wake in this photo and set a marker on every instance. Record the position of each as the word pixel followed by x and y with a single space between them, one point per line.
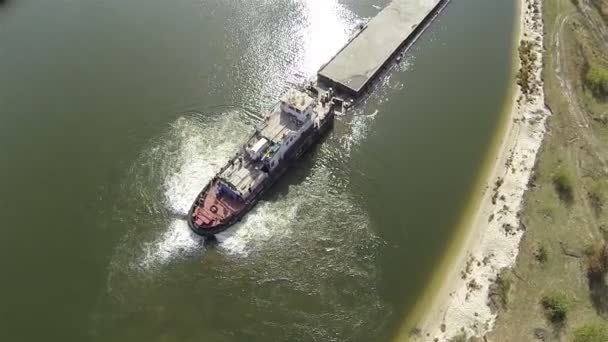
pixel 177 240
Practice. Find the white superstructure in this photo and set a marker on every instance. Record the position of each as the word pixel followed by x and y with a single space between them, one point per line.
pixel 296 114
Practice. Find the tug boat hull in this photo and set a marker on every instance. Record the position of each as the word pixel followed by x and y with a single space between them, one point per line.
pixel 212 214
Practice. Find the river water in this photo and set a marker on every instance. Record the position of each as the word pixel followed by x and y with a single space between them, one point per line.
pixel 114 114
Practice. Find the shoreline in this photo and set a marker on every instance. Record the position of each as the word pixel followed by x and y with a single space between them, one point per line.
pixel 489 235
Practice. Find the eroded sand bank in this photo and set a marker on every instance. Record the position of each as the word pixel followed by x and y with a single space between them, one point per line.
pixel 491 242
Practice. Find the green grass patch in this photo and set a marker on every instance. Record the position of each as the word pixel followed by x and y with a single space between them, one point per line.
pixel 556 307
pixel 597 80
pixel 594 332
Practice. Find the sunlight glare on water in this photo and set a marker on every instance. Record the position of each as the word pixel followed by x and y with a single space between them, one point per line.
pixel 328 27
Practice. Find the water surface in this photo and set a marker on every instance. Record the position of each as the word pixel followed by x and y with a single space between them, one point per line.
pixel 114 114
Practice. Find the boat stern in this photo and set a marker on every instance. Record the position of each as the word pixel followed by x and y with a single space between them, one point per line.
pixel 213 212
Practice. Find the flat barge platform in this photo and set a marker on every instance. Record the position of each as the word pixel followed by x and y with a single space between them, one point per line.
pixel 398 25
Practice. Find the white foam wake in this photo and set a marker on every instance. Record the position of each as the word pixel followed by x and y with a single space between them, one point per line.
pixel 178 240
pixel 269 221
pixel 199 152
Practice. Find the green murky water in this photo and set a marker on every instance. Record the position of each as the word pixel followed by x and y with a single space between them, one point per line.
pixel 113 115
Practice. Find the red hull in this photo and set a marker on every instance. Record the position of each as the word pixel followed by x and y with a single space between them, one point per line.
pixel 214 213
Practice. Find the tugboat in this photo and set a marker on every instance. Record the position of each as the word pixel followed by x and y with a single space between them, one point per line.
pixel 288 130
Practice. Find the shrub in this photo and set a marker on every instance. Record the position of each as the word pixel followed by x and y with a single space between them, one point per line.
pixel 556 307
pixel 597 262
pixel 541 254
pixel 591 333
pixel 525 75
pixel 597 80
pixel 563 185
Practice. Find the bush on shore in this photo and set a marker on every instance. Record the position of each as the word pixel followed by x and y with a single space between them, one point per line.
pixel 525 75
pixel 556 307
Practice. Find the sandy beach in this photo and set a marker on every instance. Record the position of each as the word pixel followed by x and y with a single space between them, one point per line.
pixel 493 232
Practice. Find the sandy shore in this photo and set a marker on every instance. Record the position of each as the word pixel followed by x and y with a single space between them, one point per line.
pixel 493 232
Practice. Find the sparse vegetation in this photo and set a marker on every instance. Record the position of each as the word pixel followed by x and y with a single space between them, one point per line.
pixel 473 285
pixel 562 181
pixel 596 199
pixel 415 332
pixel 508 228
pixel 468 269
pixel 556 307
pixel 525 75
pixel 497 186
pixel 595 332
pixel 541 254
pixel 503 285
pixel 462 337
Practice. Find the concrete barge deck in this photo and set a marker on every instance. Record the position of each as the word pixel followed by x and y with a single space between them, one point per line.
pixel 352 68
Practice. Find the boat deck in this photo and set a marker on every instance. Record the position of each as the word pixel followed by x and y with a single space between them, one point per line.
pixel 363 57
pixel 204 214
pixel 242 174
pixel 279 124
